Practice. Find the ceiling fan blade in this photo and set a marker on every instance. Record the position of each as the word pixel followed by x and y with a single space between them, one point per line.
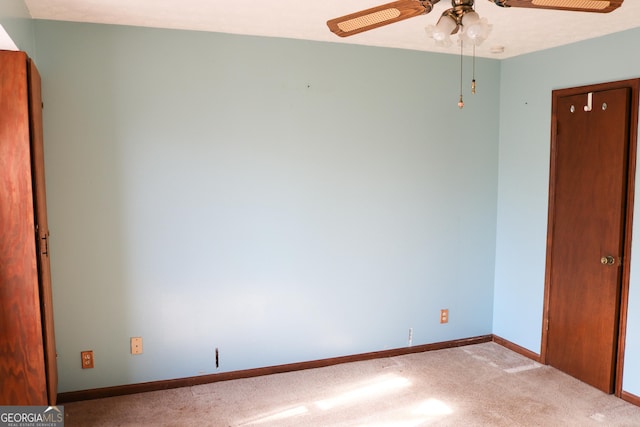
pixel 375 17
pixel 602 6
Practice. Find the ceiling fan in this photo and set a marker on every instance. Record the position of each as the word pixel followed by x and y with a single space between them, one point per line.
pixel 461 18
pixel 400 10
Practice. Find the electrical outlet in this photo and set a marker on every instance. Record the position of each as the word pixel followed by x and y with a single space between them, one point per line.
pixel 444 315
pixel 136 345
pixel 87 359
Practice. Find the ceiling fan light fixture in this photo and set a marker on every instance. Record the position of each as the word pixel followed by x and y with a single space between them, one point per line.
pixel 470 18
pixel 475 30
pixel 441 32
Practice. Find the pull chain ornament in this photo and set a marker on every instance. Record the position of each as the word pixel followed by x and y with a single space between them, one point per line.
pixel 473 81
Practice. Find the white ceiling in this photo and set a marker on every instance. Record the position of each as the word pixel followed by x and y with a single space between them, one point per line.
pixel 518 30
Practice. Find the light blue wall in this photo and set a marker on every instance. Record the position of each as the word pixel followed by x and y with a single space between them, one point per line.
pixel 525 118
pixel 280 200
pixel 287 200
pixel 17 22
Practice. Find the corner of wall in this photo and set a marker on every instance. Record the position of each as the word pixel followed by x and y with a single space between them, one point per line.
pixel 16 20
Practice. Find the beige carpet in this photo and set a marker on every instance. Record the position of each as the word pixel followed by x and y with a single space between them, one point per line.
pixel 478 385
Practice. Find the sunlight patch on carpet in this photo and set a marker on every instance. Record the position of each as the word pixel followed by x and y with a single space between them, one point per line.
pixel 380 386
pixel 434 407
pixel 523 368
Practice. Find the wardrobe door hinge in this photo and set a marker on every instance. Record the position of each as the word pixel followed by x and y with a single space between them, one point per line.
pixel 44 244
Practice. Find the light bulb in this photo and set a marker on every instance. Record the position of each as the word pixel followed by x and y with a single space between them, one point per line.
pixel 474 29
pixel 441 32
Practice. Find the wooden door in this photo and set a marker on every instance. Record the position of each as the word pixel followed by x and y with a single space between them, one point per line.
pixel 42 230
pixel 587 228
pixel 22 368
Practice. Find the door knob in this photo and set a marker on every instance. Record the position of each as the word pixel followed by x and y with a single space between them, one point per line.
pixel 607 260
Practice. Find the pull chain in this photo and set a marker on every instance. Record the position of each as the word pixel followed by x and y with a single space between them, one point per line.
pixel 461 102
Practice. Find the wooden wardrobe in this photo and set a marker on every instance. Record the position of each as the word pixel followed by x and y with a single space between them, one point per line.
pixel 28 373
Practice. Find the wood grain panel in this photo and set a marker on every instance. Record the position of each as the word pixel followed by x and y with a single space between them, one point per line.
pixel 21 354
pixel 598 6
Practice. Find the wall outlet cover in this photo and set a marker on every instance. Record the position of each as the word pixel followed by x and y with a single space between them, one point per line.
pixel 87 359
pixel 136 345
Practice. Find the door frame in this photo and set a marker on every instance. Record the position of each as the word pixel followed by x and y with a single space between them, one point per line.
pixel 634 85
pixel 42 229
